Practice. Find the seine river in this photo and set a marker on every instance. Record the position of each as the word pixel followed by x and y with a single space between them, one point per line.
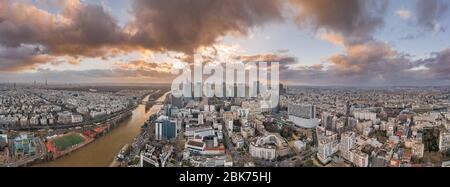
pixel 103 150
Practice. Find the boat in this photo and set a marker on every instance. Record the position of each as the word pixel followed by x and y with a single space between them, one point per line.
pixel 123 152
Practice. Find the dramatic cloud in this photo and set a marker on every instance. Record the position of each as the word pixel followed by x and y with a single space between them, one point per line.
pixel 365 63
pixel 84 30
pixel 81 29
pixel 185 25
pixel 22 58
pixel 438 65
pixel 88 30
pixel 429 13
pixel 356 20
pixel 90 76
pixel 145 66
pixel 285 61
pixel 373 64
pixel 370 62
pixel 38 33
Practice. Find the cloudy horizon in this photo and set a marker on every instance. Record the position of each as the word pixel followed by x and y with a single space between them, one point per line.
pixel 320 42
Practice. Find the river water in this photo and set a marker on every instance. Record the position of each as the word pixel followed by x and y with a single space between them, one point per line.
pixel 103 150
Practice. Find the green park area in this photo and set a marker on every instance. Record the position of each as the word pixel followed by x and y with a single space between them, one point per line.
pixel 67 141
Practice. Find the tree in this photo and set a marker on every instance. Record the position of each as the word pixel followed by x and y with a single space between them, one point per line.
pixel 269 126
pixel 287 131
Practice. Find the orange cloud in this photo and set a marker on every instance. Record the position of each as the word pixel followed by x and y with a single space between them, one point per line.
pixel 145 66
pixel 332 37
pixel 88 30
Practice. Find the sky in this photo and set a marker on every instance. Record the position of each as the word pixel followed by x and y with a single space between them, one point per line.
pixel 317 42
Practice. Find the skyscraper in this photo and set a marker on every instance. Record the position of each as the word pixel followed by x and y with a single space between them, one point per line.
pixel 165 129
pixel 346 144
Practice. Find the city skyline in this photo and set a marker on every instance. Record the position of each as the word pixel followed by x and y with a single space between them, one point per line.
pixel 320 43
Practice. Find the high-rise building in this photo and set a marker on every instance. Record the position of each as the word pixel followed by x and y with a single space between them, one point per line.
pixel 351 122
pixel 283 89
pixel 444 141
pixel 165 129
pixel 364 115
pixel 324 120
pixel 329 121
pixel 200 119
pixel 303 115
pixel 303 111
pixel 324 150
pixel 347 143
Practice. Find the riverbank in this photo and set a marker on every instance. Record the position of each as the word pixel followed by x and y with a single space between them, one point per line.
pixel 103 150
pixel 130 152
pixel 90 132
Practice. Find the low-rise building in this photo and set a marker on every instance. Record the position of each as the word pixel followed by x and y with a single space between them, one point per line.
pixel 77 118
pixel 267 147
pixel 418 149
pixel 359 158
